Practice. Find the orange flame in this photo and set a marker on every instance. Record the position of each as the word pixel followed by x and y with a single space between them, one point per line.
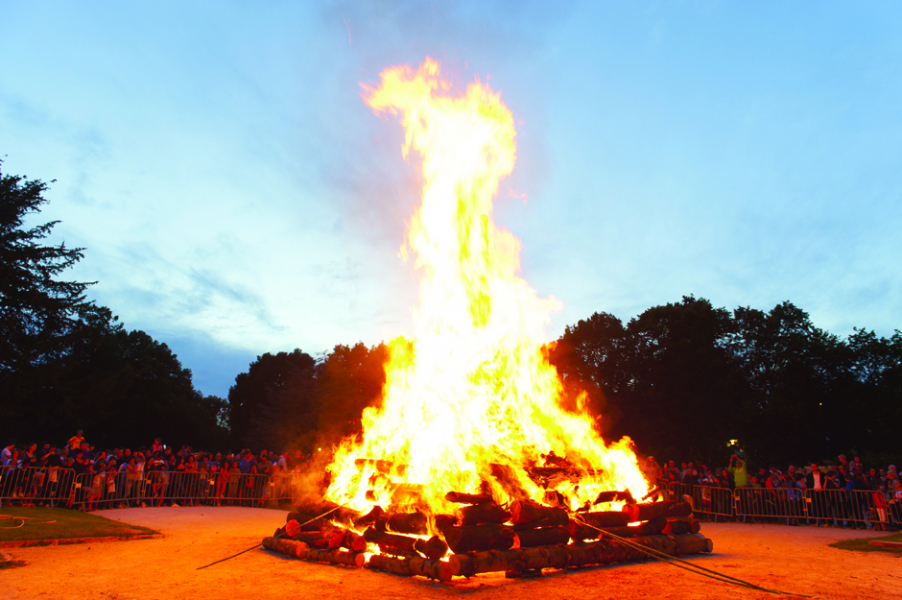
pixel 473 395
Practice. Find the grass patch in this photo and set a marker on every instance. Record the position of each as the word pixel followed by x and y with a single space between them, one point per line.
pixel 861 544
pixel 18 523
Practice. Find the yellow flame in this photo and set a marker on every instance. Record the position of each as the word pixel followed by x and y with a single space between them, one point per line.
pixel 473 396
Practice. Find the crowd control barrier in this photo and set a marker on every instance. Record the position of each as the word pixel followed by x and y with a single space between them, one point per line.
pixel 35 485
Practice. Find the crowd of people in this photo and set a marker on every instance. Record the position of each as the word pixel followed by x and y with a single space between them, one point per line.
pixel 153 475
pixel 849 494
pixel 846 493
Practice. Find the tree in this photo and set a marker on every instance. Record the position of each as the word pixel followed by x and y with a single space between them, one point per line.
pixel 254 406
pixel 685 388
pixel 37 309
pixel 67 363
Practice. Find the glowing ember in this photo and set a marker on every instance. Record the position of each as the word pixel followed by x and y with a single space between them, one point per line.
pixel 471 405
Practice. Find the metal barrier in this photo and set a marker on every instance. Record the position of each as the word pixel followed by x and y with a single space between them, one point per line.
pixel 712 502
pixel 52 486
pixel 852 508
pixel 35 485
pixel 772 504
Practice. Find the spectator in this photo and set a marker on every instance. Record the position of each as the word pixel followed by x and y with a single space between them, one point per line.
pixel 738 470
pixel 75 441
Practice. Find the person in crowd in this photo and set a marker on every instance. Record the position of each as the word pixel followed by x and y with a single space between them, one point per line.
pixel 75 441
pixel 738 470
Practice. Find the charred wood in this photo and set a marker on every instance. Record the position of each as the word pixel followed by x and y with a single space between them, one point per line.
pixel 461 498
pixel 524 511
pixel 415 522
pixel 479 537
pixel 433 548
pixel 483 513
pixel 541 537
pixel 615 496
pixel 560 556
pixel 654 510
pixel 390 541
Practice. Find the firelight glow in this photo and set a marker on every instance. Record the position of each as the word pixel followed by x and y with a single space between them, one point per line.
pixel 473 391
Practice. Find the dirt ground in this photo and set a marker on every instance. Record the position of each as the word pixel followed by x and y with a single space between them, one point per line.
pixel 792 559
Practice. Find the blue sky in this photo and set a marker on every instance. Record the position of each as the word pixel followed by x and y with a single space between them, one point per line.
pixel 236 196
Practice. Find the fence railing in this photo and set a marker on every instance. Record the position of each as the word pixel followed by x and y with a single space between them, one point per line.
pixel 87 491
pixel 792 506
pixel 57 486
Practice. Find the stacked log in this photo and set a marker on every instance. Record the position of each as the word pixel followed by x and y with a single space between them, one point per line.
pixel 520 539
pixel 603 552
pixel 301 551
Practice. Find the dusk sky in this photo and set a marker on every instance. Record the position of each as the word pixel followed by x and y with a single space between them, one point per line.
pixel 235 195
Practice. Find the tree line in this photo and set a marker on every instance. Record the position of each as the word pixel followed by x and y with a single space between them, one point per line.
pixel 684 380
pixel 68 363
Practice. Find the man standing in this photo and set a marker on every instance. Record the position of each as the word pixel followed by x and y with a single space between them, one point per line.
pixel 815 482
pixel 738 469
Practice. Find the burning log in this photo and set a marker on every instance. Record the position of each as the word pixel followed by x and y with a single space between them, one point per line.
pixel 483 513
pixel 682 526
pixel 604 519
pixel 389 542
pixel 654 510
pixel 553 521
pixel 306 511
pixel 461 498
pixel 481 537
pixel 415 522
pixel 369 518
pixel 443 521
pixel 653 527
pixel 525 511
pixel 615 496
pixel 541 537
pixel 433 548
pixel 561 556
pixel 343 538
pixel 581 532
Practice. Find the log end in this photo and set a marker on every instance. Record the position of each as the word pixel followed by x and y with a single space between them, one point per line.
pixel 360 560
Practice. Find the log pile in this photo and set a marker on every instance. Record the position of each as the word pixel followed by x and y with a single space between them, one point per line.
pixel 520 539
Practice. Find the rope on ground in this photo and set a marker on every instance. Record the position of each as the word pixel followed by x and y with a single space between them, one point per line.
pixel 328 512
pixel 23 519
pixel 682 564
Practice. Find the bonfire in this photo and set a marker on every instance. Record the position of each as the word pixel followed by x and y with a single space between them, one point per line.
pixel 470 462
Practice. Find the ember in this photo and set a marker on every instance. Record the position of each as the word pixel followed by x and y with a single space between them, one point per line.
pixel 471 453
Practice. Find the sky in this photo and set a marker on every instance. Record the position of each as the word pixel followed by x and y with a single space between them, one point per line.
pixel 235 196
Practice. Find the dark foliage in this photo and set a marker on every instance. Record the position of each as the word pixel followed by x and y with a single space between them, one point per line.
pixel 685 378
pixel 67 364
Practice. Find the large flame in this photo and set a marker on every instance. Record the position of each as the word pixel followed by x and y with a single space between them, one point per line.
pixel 472 403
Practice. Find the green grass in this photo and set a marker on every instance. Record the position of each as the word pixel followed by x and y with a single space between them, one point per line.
pixel 18 523
pixel 861 544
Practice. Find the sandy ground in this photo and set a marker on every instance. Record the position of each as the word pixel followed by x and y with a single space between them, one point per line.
pixel 792 559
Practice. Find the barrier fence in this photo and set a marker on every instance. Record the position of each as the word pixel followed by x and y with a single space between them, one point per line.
pixel 62 487
pixel 792 506
pixel 87 491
